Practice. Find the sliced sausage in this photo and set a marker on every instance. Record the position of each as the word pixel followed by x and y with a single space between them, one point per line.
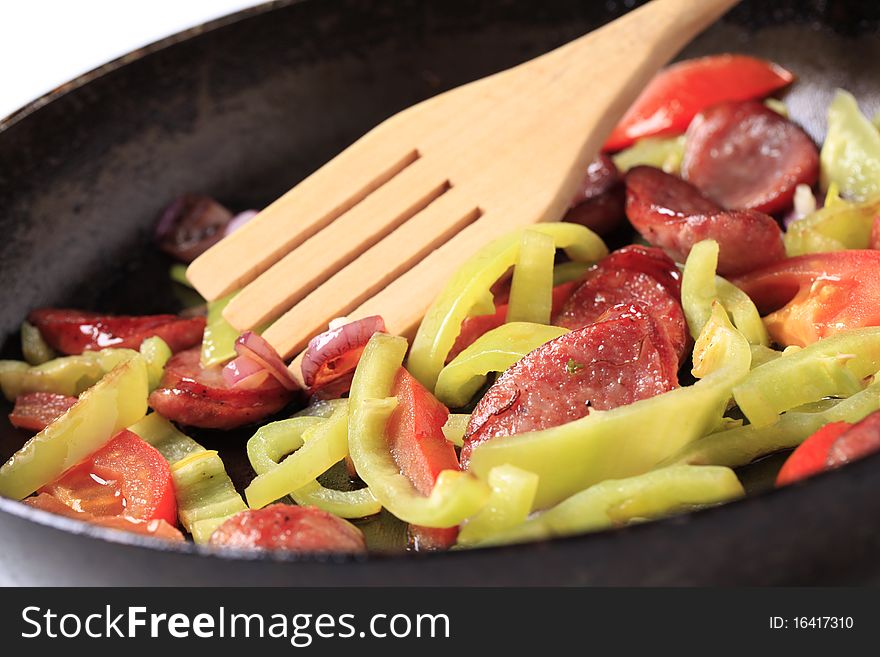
pixel 745 156
pixel 599 201
pixel 200 397
pixel 291 528
pixel 628 276
pixel 37 410
pixel 674 215
pixel 622 358
pixel 72 332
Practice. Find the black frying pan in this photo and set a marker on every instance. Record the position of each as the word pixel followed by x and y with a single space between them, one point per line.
pixel 245 107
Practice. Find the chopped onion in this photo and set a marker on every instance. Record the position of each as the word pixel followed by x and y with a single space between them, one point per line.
pixel 331 345
pixel 256 348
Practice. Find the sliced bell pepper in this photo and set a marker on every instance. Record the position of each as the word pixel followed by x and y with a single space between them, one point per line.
pixel 324 445
pixel 700 287
pixel 850 156
pixel 33 347
pixel 455 496
pixel 206 496
pixel 661 152
pixel 68 375
pixel 494 351
pixel 740 446
pixel 218 341
pixel 836 227
pixel 468 292
pixel 272 442
pixel 116 401
pixel 531 290
pixel 630 439
pixel 833 367
pixel 509 505
pixel 455 428
pixel 618 502
pixel 676 94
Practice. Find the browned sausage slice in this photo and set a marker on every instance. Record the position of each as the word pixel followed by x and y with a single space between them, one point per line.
pixel 633 274
pixel 745 156
pixel 622 358
pixel 674 215
pixel 200 397
pixel 599 201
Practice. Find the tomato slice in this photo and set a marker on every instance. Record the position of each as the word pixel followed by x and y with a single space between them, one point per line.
pixel 676 94
pixel 156 528
pixel 830 447
pixel 36 410
pixel 810 456
pixel 415 430
pixel 73 331
pixel 816 295
pixel 126 478
pixel 288 527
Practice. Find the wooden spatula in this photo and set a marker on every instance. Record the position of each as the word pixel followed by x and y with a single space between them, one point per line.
pixel 380 228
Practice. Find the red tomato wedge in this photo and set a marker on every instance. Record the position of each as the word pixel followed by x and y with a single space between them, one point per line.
pixel 156 528
pixel 676 94
pixel 74 331
pixel 473 327
pixel 291 528
pixel 415 430
pixel 810 456
pixel 37 410
pixel 816 295
pixel 431 539
pixel 832 446
pixel 127 477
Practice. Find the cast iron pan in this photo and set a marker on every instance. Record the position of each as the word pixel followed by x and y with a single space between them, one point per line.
pixel 242 109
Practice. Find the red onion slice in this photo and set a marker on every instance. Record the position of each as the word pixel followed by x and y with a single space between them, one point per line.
pixel 256 348
pixel 331 345
pixel 190 226
pixel 239 220
pixel 244 373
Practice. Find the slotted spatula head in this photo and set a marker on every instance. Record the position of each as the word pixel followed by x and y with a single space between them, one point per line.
pixel 382 226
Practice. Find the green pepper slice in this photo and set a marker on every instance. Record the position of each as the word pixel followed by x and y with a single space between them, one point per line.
pixel 742 445
pixel 531 289
pixel 113 403
pixel 618 502
pixel 469 292
pixel 835 366
pixel 494 351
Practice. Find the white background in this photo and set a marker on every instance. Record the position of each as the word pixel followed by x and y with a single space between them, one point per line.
pixel 44 43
